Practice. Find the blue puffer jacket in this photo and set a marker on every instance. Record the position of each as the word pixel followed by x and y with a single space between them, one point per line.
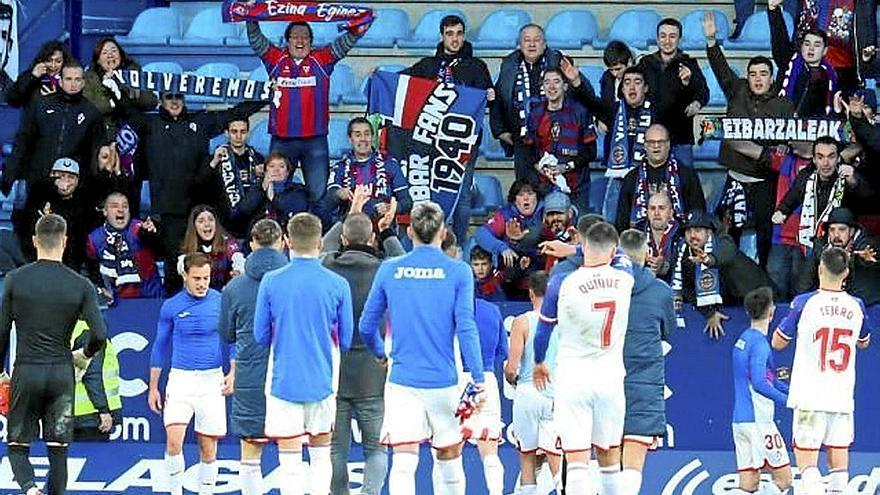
pixel 251 359
pixel 651 318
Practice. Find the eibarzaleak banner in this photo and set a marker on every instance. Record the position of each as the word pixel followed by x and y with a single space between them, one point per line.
pixel 431 129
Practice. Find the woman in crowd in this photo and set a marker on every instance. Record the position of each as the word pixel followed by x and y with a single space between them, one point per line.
pixel 42 78
pixel 277 197
pixel 204 234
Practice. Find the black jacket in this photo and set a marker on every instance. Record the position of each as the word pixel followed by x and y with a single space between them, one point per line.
pixel 671 97
pixel 469 71
pixel 53 127
pixel 741 102
pixel 853 196
pixel 868 135
pixel 863 280
pixel 176 149
pixel 691 191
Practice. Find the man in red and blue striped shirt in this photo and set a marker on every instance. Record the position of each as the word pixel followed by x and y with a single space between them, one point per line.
pixel 300 112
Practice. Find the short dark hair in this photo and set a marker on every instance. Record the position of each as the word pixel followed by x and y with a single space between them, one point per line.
pixel 670 21
pixel 602 235
pixel 237 117
pixel 616 52
pixel 449 241
pixel 538 282
pixel 266 232
pixel 71 64
pixel 518 186
pixel 554 70
pixel 760 60
pixel 451 20
pixel 587 221
pixel 835 260
pixel 195 260
pixel 635 69
pixel 355 121
pixel 426 219
pixel 531 25
pixel 295 24
pixel 478 253
pixel 50 231
pixel 815 32
pixel 303 231
pixel 277 155
pixel 357 228
pixel 758 302
pixel 827 140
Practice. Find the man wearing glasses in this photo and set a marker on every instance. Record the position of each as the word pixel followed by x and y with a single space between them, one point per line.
pixel 176 150
pixel 659 171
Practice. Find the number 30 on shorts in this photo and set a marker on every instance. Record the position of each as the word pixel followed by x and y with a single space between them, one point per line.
pixel 774 441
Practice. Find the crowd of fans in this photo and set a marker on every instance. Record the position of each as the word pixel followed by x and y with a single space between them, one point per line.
pixel 86 143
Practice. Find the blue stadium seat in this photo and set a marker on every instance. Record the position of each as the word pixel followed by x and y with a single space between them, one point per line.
pixel 708 151
pixel 427 31
pixel 342 83
pixel 146 206
pixel 570 29
pixel 259 137
pixel 755 34
pixel 598 185
pixel 214 69
pixel 468 245
pixel 325 32
pixel 692 24
pixel 169 67
pixel 153 27
pixel 208 29
pixel 338 138
pixel 600 147
pixel 716 95
pixel 259 73
pixel 490 147
pixel 500 29
pixel 637 28
pixel 489 196
pixel 390 25
pixel 274 30
pixel 593 73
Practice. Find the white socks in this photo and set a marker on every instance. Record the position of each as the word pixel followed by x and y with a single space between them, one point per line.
pixel 320 470
pixel 291 472
pixel 452 477
pixel 175 466
pixel 402 478
pixel 526 490
pixel 578 479
pixel 837 481
pixel 250 477
pixel 207 477
pixel 811 482
pixel 630 481
pixel 494 472
pixel 610 478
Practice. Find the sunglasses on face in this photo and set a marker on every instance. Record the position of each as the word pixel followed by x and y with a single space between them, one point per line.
pixel 172 96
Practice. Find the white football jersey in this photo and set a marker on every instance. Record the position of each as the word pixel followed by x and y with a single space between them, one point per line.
pixel 592 313
pixel 827 325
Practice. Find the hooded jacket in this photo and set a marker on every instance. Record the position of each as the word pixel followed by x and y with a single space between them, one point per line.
pixel 651 319
pixel 469 71
pixel 671 97
pixel 236 325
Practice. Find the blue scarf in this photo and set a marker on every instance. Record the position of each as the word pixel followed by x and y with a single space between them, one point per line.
pixel 621 159
pixel 522 92
pixel 232 180
pixel 797 68
pixel 116 259
pixel 639 212
pixel 733 204
pixel 707 280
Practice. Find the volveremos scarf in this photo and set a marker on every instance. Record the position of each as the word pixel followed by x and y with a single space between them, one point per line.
pixel 643 191
pixel 377 178
pixel 797 68
pixel 116 259
pixel 522 92
pixel 354 16
pixel 233 186
pixel 810 221
pixel 707 281
pixel 622 160
pixel 733 204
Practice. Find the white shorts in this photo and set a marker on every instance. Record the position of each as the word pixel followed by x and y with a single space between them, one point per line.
pixel 588 411
pixel 196 393
pixel 286 420
pixel 759 445
pixel 813 429
pixel 412 415
pixel 486 425
pixel 652 442
pixel 533 426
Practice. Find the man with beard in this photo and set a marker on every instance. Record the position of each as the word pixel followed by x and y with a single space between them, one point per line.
pixel 824 185
pixel 122 252
pixel 679 88
pixel 747 202
pixel 709 271
pixel 455 63
pixel 844 232
pixel 239 167
pixel 660 171
pixel 519 84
